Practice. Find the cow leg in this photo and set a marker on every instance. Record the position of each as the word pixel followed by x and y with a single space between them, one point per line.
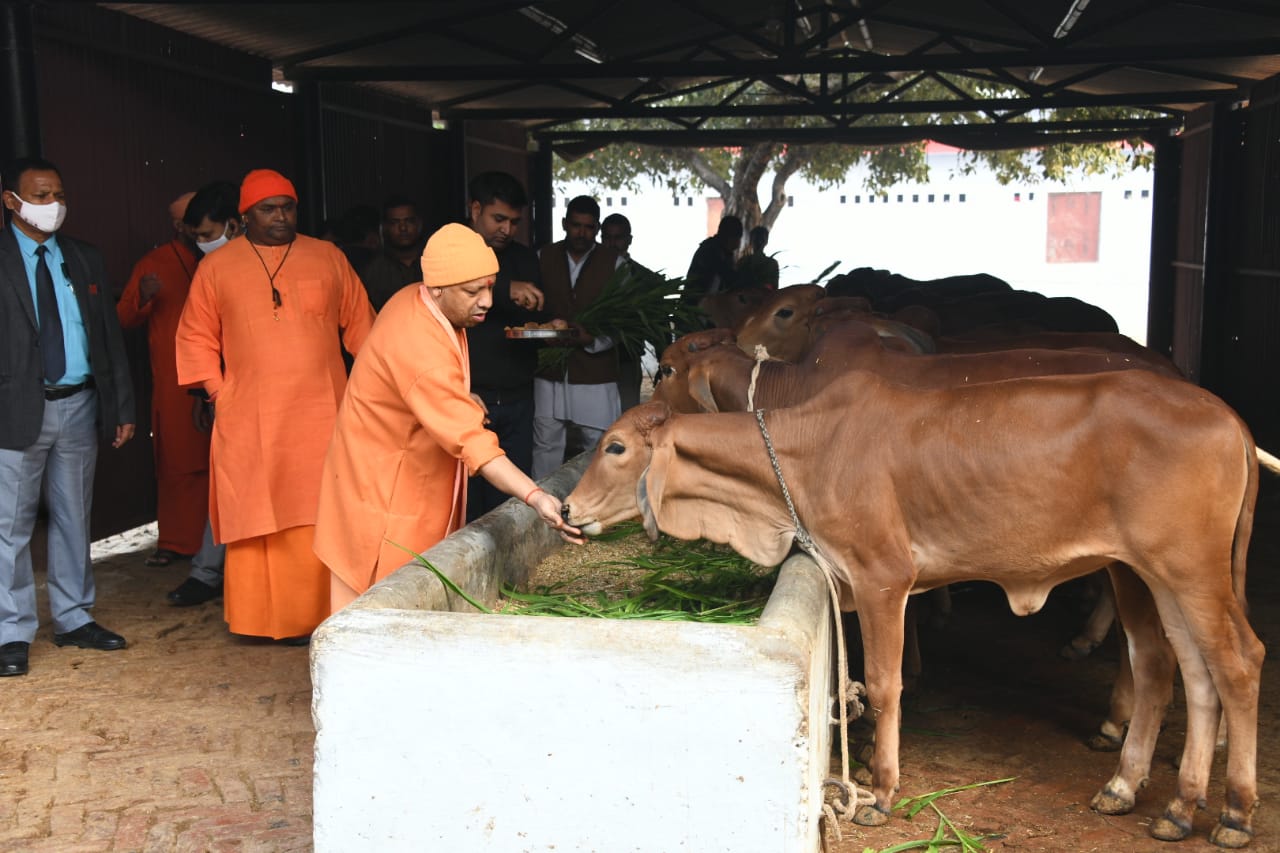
pixel 1110 735
pixel 1096 627
pixel 939 607
pixel 1203 710
pixel 912 663
pixel 1147 696
pixel 1240 712
pixel 1221 662
pixel 882 614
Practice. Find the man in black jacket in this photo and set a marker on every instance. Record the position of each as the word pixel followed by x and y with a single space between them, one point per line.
pixel 502 369
pixel 65 372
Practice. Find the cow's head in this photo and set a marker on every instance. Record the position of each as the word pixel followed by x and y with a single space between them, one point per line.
pixel 680 384
pixel 612 488
pixel 781 323
pixel 726 308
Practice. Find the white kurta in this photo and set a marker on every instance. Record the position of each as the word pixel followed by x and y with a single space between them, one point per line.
pixel 560 402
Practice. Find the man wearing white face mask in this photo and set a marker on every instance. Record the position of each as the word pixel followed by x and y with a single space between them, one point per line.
pixel 154 297
pixel 66 370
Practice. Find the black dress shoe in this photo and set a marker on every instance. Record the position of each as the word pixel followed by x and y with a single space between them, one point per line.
pixel 91 636
pixel 191 592
pixel 13 658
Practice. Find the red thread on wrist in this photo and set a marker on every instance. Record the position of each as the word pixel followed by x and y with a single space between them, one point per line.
pixel 536 489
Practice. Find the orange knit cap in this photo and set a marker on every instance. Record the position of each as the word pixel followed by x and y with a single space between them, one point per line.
pixel 264 183
pixel 456 255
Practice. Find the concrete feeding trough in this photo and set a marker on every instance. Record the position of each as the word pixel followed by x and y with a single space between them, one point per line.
pixel 440 728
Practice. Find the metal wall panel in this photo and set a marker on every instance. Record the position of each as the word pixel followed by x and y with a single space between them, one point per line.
pixel 374 146
pixel 1188 249
pixel 1251 316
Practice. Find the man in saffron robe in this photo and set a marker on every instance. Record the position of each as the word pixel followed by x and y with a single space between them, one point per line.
pixel 154 296
pixel 260 333
pixel 409 430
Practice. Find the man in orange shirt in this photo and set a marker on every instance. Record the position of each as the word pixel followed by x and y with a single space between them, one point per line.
pixel 260 333
pixel 409 429
pixel 154 296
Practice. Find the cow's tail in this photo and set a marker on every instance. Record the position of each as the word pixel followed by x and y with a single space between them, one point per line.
pixel 1266 460
pixel 1244 520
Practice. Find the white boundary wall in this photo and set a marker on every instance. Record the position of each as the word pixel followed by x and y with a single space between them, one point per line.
pixel 1000 230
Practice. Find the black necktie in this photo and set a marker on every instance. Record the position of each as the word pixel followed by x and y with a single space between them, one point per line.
pixel 51 346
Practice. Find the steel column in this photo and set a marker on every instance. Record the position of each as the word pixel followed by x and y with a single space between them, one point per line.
pixel 19 113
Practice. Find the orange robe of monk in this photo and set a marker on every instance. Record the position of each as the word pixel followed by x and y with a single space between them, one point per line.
pixel 181 450
pixel 392 476
pixel 276 399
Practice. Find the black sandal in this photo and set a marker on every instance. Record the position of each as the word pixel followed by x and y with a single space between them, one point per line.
pixel 164 557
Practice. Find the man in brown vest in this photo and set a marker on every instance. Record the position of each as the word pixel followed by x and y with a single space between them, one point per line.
pixel 583 393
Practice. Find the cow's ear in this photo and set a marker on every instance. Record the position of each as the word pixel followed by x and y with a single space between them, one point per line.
pixel 699 380
pixel 646 511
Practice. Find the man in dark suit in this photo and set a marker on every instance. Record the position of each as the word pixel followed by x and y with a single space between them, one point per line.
pixel 64 381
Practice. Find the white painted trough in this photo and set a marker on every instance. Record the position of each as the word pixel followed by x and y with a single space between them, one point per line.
pixel 442 729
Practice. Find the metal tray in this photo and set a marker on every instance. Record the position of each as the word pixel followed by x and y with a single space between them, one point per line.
pixel 540 334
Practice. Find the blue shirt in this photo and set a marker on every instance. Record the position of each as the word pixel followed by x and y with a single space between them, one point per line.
pixel 74 338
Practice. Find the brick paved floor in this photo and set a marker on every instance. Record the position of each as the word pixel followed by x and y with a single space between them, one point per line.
pixel 191 739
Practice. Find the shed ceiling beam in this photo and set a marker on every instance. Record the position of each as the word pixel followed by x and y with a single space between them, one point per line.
pixel 462 12
pixel 966 136
pixel 793 65
pixel 1064 100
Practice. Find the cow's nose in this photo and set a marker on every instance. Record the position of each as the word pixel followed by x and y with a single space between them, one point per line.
pixel 564 511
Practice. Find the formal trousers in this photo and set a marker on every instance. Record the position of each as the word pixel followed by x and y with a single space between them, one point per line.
pixel 63 458
pixel 209 562
pixel 274 585
pixel 512 421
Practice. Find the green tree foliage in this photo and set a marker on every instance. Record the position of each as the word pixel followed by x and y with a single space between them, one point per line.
pixel 736 173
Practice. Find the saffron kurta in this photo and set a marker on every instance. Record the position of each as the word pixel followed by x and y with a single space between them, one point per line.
pixel 406 420
pixel 181 451
pixel 277 377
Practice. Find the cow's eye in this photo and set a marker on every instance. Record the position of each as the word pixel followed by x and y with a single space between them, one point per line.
pixel 667 370
pixel 784 313
pixel 615 448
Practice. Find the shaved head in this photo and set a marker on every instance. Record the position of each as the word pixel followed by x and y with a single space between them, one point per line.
pixel 178 207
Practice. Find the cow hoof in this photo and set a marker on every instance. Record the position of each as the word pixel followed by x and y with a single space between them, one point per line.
pixel 870 815
pixel 1166 828
pixel 862 775
pixel 1233 837
pixel 1079 648
pixel 1109 802
pixel 1103 742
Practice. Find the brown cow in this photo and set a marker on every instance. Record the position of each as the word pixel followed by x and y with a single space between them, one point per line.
pixel 694 377
pixel 789 320
pixel 1025 483
pixel 726 308
pixel 785 324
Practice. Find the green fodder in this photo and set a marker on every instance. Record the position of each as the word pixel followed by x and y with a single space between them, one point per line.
pixel 670 580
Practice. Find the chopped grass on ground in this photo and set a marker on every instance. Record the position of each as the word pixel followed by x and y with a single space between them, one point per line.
pixel 947 834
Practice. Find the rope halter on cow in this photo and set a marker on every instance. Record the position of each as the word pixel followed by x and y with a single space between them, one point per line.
pixel 762 355
pixel 849 690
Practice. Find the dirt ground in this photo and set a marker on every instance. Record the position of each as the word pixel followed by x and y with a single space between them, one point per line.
pixel 191 739
pixel 195 740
